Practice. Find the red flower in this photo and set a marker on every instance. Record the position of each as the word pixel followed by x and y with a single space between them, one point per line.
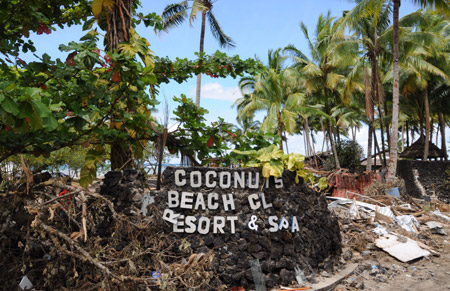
pixel 210 142
pixel 232 134
pixel 116 76
pixel 107 59
pixel 70 59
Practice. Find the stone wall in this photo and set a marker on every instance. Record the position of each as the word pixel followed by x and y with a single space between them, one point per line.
pixel 431 174
pixel 309 235
pixel 289 226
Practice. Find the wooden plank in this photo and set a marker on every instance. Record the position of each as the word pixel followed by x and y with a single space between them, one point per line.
pixel 330 283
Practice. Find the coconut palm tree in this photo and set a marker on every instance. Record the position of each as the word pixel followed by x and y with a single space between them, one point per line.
pixel 325 74
pixel 424 62
pixel 175 14
pixel 276 91
pixel 368 7
pixel 440 5
pixel 371 31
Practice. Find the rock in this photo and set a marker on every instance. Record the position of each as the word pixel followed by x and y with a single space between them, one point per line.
pixel 254 248
pixel 286 276
pixel 380 278
pixel 347 254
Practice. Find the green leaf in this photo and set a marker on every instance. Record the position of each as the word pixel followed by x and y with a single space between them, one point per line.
pixel 253 164
pixel 50 123
pixel 97 6
pixel 25 109
pixel 34 93
pixel 10 106
pixel 35 120
pixel 294 161
pixel 87 175
pixel 7 119
pixel 88 24
pixel 41 108
pixel 323 183
pixel 274 168
pixel 251 152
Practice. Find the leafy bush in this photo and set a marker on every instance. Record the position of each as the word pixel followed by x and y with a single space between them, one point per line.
pixel 350 154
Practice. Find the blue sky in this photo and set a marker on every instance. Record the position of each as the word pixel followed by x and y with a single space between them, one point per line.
pixel 255 26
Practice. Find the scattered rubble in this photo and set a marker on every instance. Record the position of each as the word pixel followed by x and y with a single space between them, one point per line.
pixel 388 237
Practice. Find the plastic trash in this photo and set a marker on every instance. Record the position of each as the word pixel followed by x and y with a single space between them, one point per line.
pixel 299 275
pixel 25 283
pixel 407 222
pixel 393 192
pixel 353 210
pixel 380 231
pixel 386 211
pixel 439 214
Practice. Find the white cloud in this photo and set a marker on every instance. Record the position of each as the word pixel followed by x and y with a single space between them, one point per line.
pixel 217 91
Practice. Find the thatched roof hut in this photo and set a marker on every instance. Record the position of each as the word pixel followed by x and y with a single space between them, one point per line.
pixel 415 151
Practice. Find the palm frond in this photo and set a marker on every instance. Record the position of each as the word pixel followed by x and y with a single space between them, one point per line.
pixel 292 51
pixel 312 69
pixel 442 6
pixel 224 40
pixel 289 119
pixel 197 7
pixel 271 120
pixel 333 80
pixel 174 15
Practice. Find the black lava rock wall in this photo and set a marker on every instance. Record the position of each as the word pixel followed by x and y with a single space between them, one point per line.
pixel 312 244
pixel 432 176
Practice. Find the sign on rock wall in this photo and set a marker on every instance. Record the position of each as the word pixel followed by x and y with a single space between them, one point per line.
pixel 213 203
pixel 242 217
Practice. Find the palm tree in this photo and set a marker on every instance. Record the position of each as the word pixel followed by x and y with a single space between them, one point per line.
pixel 371 31
pixel 368 7
pixel 440 5
pixel 424 62
pixel 277 92
pixel 324 75
pixel 175 14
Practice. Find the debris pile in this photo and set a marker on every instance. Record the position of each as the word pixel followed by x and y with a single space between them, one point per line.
pixel 63 236
pixel 405 229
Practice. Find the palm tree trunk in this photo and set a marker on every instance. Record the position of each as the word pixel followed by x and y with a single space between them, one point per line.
pixel 199 76
pixel 427 126
pixel 286 141
pixel 392 169
pixel 403 138
pixel 325 139
pixel 280 129
pixel 407 135
pixel 369 147
pixel 388 137
pixel 333 145
pixel 442 126
pixel 306 130
pixel 380 112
